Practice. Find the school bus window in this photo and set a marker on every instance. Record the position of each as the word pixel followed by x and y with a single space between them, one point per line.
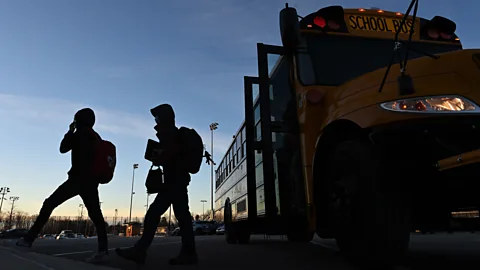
pixel 256 91
pixel 239 141
pixel 243 135
pixel 258 131
pixel 305 69
pixel 355 56
pixel 257 113
pixel 243 149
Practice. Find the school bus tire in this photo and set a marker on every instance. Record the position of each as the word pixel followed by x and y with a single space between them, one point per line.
pixel 243 233
pixel 230 226
pixel 369 208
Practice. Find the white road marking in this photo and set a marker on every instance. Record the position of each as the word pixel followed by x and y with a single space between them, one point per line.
pixel 158 244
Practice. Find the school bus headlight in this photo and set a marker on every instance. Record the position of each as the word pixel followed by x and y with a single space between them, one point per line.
pixel 433 104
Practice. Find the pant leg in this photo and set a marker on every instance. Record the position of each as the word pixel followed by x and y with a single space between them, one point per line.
pixel 91 200
pixel 64 192
pixel 182 213
pixel 152 219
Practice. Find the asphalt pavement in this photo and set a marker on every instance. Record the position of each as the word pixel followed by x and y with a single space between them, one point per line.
pixel 456 251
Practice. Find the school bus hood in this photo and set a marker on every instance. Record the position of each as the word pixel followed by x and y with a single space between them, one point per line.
pixel 453 73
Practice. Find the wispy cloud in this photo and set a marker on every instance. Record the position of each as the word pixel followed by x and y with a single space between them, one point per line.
pixel 52 112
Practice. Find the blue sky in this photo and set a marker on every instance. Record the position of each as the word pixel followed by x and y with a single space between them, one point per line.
pixel 123 57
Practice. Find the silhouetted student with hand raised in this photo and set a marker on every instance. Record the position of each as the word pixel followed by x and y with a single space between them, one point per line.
pixel 81 139
pixel 173 152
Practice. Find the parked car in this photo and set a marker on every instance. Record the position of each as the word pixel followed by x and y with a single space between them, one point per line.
pixel 221 230
pixel 48 236
pixel 200 227
pixel 176 232
pixel 212 227
pixel 66 234
pixel 13 233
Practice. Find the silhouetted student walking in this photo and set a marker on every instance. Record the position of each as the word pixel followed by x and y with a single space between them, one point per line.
pixel 180 152
pixel 93 162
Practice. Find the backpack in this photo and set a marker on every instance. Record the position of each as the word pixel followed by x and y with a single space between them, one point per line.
pixel 193 149
pixel 104 161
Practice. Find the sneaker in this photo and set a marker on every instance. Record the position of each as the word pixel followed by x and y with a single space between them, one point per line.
pixel 184 259
pixel 24 243
pixel 99 257
pixel 132 254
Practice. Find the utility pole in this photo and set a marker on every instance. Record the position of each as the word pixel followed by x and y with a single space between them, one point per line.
pixel 203 203
pixel 81 218
pixel 135 166
pixel 170 218
pixel 13 199
pixel 213 127
pixel 3 192
pixel 146 206
pixel 115 222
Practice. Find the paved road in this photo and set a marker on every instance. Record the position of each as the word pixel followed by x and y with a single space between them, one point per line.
pixel 457 251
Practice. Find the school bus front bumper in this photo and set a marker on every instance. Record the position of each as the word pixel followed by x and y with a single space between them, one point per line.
pixel 459 160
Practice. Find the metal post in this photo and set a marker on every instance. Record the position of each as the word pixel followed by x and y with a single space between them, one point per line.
pixel 211 178
pixel 213 127
pixel 80 218
pixel 169 217
pixel 203 203
pixel 131 194
pixel 146 206
pixel 13 199
pixel 3 191
pixel 115 222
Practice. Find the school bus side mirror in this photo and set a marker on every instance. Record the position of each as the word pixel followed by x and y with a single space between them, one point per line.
pixel 289 28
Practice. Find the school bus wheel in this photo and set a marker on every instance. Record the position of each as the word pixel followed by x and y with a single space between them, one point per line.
pixel 332 135
pixel 230 228
pixel 371 219
pixel 243 232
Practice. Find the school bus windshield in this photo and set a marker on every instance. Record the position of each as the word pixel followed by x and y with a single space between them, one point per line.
pixel 333 60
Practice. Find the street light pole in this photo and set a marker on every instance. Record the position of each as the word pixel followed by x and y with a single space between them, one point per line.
pixel 135 166
pixel 213 127
pixel 13 199
pixel 146 206
pixel 203 202
pixel 3 191
pixel 115 222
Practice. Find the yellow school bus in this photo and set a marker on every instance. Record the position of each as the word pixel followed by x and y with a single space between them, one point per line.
pixel 360 127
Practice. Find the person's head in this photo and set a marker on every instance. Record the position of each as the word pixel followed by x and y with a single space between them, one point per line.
pixel 84 118
pixel 164 116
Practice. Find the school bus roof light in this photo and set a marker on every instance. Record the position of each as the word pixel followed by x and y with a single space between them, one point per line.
pixel 399 14
pixel 320 22
pixel 361 10
pixel 440 28
pixel 380 11
pixel 330 17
